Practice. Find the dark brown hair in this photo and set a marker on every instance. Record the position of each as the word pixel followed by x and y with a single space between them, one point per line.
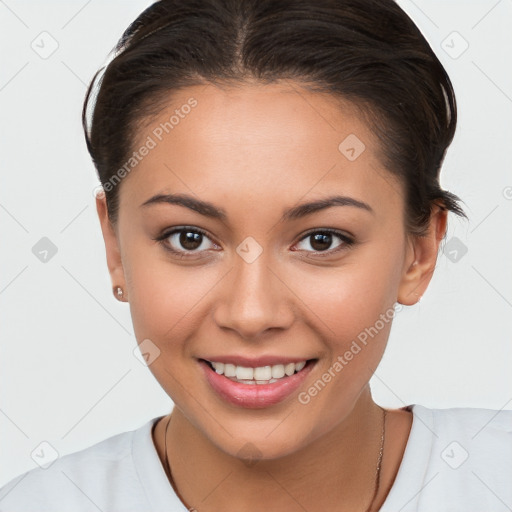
pixel 366 51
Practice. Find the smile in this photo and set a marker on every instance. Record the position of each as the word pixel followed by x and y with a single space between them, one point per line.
pixel 259 375
pixel 255 387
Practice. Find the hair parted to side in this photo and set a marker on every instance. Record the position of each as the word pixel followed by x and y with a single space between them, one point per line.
pixel 368 52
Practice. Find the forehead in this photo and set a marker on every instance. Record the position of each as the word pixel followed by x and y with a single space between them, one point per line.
pixel 280 138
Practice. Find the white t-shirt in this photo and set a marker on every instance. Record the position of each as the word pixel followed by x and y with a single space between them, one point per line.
pixel 457 459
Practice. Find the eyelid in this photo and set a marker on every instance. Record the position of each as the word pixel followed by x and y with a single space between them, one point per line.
pixel 166 233
pixel 342 234
pixel 348 241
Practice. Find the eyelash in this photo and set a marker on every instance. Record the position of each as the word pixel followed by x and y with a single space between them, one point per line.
pixel 347 241
pixel 166 234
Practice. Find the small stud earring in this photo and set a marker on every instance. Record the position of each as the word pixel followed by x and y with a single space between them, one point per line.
pixel 118 292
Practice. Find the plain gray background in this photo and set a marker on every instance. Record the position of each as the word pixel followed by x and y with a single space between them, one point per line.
pixel 68 373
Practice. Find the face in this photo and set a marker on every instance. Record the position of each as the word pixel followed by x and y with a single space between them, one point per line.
pixel 234 269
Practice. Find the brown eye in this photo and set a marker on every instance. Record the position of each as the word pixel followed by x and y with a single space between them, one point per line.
pixel 190 240
pixel 321 241
pixel 185 241
pixel 327 241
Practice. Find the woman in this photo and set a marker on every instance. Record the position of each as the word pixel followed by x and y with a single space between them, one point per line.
pixel 271 198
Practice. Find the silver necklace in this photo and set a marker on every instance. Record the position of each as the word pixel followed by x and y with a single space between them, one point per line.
pixel 377 471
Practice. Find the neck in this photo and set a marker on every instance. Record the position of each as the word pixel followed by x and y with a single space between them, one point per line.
pixel 339 467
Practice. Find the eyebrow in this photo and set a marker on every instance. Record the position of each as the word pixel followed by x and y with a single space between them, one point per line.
pixel 210 210
pixel 321 204
pixel 203 207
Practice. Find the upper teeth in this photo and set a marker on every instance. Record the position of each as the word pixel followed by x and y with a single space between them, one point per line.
pixel 260 373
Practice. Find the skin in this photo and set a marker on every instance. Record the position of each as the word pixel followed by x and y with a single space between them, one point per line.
pixel 254 151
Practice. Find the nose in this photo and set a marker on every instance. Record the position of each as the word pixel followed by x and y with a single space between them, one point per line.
pixel 254 300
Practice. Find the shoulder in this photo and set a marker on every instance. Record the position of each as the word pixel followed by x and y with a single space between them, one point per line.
pixel 469 417
pixel 475 428
pixel 468 458
pixel 455 459
pixel 480 440
pixel 81 481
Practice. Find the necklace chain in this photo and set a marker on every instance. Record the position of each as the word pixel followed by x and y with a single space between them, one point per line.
pixel 377 471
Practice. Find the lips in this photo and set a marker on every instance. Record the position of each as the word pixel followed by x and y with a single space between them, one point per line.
pixel 254 391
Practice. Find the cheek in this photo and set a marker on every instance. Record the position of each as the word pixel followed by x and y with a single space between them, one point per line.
pixel 165 303
pixel 343 301
pixel 352 317
pixel 350 308
pixel 165 297
pixel 351 312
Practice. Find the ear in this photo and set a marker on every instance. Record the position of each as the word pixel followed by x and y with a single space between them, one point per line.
pixel 114 262
pixel 421 258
